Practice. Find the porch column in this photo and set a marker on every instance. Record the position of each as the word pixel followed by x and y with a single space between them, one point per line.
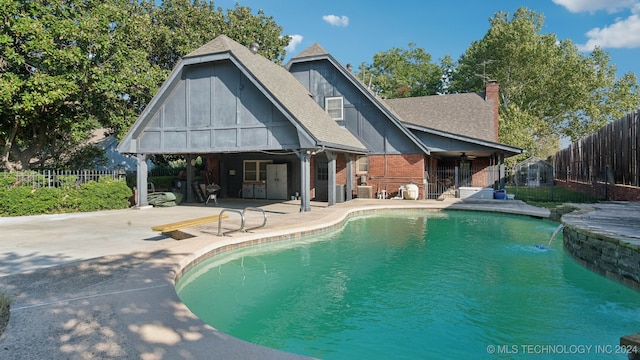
pixel 502 174
pixel 222 179
pixel 349 186
pixel 190 178
pixel 141 180
pixel 331 156
pixel 305 181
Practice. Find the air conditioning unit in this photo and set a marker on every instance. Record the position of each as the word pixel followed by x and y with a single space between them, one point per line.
pixel 365 192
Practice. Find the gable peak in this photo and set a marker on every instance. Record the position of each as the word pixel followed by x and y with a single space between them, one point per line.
pixel 220 44
pixel 313 50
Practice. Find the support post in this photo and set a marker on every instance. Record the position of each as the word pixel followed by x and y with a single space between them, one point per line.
pixel 141 179
pixel 190 178
pixel 502 171
pixel 350 179
pixel 331 156
pixel 305 181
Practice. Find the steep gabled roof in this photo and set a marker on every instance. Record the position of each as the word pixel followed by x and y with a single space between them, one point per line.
pixel 284 90
pixel 287 90
pixel 316 52
pixel 465 114
pixel 312 51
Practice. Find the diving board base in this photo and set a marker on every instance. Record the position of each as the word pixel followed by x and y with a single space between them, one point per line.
pixel 178 235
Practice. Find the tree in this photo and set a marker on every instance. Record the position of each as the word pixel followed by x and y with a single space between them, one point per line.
pixel 181 26
pixel 68 67
pixel 400 73
pixel 548 89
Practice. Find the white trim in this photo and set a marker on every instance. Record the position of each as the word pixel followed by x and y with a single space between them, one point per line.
pixel 331 99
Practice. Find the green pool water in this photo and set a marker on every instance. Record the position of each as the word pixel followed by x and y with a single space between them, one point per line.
pixel 436 284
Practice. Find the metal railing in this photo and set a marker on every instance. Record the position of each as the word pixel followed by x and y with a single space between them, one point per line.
pixel 243 220
pixel 57 178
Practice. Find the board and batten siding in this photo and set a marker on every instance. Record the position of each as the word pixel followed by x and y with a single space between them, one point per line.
pixel 361 116
pixel 213 108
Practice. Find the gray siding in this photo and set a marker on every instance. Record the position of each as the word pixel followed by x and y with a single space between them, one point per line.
pixel 214 107
pixel 443 144
pixel 361 117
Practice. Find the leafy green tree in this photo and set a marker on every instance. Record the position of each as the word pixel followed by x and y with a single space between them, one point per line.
pixel 400 73
pixel 245 28
pixel 181 26
pixel 548 89
pixel 68 67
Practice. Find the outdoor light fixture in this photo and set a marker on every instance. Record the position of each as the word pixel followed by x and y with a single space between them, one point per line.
pixel 463 157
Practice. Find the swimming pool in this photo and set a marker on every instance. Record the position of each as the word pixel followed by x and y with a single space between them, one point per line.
pixel 437 284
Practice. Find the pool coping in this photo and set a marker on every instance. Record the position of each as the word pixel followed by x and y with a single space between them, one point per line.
pixel 125 305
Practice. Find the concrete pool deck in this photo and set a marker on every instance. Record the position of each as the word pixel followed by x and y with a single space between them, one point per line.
pixel 101 285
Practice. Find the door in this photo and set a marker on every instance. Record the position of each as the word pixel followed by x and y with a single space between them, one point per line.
pixel 322 178
pixel 277 181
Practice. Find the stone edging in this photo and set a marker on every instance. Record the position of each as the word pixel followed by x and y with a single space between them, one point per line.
pixel 610 257
pixel 613 258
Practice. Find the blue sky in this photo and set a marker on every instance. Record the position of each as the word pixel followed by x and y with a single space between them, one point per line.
pixel 354 30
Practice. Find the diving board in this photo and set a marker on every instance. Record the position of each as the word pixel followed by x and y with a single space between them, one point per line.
pixel 172 229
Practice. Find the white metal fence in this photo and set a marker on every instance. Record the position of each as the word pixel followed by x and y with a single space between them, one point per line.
pixel 55 178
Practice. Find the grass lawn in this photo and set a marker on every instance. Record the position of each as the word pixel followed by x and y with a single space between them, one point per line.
pixel 5 301
pixel 548 197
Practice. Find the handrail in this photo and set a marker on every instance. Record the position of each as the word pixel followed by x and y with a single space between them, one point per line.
pixel 264 216
pixel 220 233
pixel 243 220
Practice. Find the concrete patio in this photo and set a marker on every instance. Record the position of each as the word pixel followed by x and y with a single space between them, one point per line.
pixel 101 285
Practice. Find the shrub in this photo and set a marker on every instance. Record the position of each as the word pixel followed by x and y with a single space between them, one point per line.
pixel 24 200
pixel 163 182
pixel 104 194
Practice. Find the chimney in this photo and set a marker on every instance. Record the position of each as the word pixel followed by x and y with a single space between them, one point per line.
pixel 492 93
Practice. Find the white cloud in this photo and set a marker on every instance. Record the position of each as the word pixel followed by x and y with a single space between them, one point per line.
pixel 610 6
pixel 624 33
pixel 336 20
pixel 295 41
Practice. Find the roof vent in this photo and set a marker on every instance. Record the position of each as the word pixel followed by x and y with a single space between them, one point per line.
pixel 254 47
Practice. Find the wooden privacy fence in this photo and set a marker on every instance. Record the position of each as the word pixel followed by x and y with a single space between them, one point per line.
pixel 610 155
pixel 56 178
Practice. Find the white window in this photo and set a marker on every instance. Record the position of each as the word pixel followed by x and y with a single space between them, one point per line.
pixel 255 170
pixel 362 165
pixel 334 106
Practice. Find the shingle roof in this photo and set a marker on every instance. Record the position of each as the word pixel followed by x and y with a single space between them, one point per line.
pixel 287 90
pixel 316 52
pixel 311 51
pixel 465 114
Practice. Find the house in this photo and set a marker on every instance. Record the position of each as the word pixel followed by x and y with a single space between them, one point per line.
pixel 114 159
pixel 310 129
pixel 418 140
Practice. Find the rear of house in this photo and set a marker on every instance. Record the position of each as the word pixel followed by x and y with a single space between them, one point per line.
pixel 311 130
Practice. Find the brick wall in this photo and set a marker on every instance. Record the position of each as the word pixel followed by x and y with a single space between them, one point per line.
pixel 386 172
pixel 600 190
pixel 389 172
pixel 480 171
